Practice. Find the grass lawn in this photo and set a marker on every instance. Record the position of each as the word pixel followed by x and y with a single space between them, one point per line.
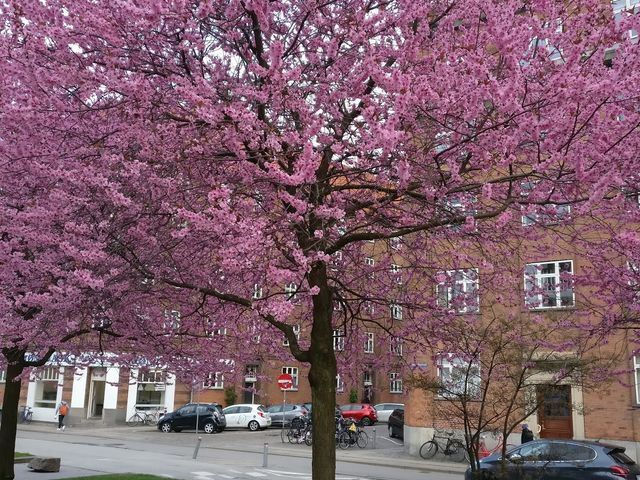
pixel 120 476
pixel 22 454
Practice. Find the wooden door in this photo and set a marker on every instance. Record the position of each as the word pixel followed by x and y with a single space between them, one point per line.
pixel 554 413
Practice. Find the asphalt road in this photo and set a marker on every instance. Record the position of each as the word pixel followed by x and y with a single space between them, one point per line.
pixel 226 456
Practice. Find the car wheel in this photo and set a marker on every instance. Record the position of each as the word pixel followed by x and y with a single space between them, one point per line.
pixel 390 431
pixel 254 426
pixel 165 427
pixel 209 427
pixel 366 421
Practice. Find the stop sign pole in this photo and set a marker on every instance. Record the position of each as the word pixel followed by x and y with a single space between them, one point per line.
pixel 285 382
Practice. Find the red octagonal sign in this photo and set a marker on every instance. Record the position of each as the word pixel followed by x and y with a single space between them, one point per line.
pixel 285 381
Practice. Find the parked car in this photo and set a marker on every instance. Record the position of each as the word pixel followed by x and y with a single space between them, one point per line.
pixel 395 423
pixel 384 410
pixel 247 415
pixel 560 459
pixel 288 412
pixel 209 416
pixel 362 413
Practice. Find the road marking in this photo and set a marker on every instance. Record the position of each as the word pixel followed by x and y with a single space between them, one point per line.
pixel 225 476
pixel 202 474
pixel 392 441
pixel 256 474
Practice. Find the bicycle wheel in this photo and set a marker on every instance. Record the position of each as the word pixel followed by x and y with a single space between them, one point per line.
pixel 456 451
pixel 362 439
pixel 28 418
pixel 308 438
pixel 134 420
pixel 292 435
pixel 344 440
pixel 428 449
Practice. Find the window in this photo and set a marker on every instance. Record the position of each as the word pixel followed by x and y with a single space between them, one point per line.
pixel 151 387
pixel 459 291
pixel 291 290
pixel 395 243
pixel 293 371
pixel 370 262
pixel 395 383
pixel 462 213
pixel 458 377
pixel 396 311
pixel 251 373
pixel 171 320
pixel 336 260
pixel 442 140
pixel 634 281
pixel 47 387
pixel 396 273
pixel 257 292
pixel 338 340
pixel 215 381
pixel 339 384
pixel 622 7
pixel 636 375
pixel 296 332
pixel 395 346
pixel 369 307
pixel 367 380
pixel 219 332
pixel 548 214
pixel 3 376
pixel 549 284
pixel 369 342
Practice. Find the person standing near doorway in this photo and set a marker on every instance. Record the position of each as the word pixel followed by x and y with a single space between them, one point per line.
pixel 62 411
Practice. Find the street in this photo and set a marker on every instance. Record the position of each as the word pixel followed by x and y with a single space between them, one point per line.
pixel 230 455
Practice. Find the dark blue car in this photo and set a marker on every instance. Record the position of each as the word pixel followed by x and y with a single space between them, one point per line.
pixel 561 460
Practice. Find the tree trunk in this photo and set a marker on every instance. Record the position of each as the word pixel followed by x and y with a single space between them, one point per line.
pixel 322 378
pixel 9 420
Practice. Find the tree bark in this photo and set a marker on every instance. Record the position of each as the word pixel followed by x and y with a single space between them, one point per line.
pixel 9 420
pixel 322 378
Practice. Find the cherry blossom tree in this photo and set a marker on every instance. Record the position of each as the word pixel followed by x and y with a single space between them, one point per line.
pixel 258 163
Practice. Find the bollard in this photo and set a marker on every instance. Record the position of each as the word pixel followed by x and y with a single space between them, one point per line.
pixel 195 452
pixel 374 438
pixel 265 456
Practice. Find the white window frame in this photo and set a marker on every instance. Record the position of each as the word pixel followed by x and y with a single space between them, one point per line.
pixel 395 382
pixel 395 346
pixel 46 375
pixel 535 280
pixel 396 272
pixel 172 320
pixel 562 213
pixel 3 376
pixel 369 343
pixel 215 381
pixel 257 291
pixel 291 290
pixel 338 340
pixel 370 263
pixel 339 384
pixel 636 376
pixel 396 311
pixel 293 371
pixel 395 243
pixel 296 331
pixel 367 378
pixel 469 383
pixel 464 281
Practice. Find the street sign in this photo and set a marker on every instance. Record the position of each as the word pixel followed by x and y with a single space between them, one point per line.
pixel 285 381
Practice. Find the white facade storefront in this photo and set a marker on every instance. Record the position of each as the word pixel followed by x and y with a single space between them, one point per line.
pixel 98 393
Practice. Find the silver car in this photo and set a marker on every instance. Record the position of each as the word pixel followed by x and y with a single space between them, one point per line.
pixel 385 409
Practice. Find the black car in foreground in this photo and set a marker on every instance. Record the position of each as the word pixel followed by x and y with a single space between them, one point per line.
pixel 208 415
pixel 561 460
pixel 396 423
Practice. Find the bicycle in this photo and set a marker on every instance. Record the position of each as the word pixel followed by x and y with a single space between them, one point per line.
pixel 483 451
pixel 355 435
pixel 453 448
pixel 298 432
pixel 27 414
pixel 143 417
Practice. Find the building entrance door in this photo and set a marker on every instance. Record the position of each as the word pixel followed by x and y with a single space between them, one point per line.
pixel 554 413
pixel 249 392
pixel 96 392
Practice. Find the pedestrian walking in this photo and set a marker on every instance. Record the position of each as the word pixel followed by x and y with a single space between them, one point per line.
pixel 62 411
pixel 527 435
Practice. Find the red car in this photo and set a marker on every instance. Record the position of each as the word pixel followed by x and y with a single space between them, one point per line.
pixel 362 413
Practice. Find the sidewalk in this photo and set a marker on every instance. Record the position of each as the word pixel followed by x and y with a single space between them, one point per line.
pixel 369 456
